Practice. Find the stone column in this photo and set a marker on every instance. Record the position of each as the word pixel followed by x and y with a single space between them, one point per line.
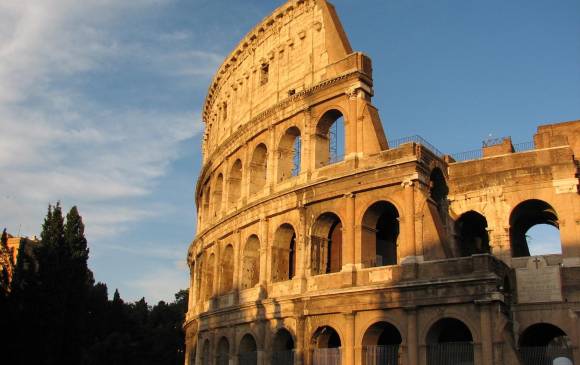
pixel 412 343
pixel 302 255
pixel 409 249
pixel 348 354
pixel 486 334
pixel 351 124
pixel 237 259
pixel 264 253
pixel 300 341
pixel 349 255
pixel 272 168
pixel 217 268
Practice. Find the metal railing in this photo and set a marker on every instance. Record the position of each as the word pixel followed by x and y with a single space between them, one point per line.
pixel 222 359
pixel 524 146
pixel 417 139
pixel 451 353
pixel 248 358
pixel 381 355
pixel 283 357
pixel 330 356
pixel 544 355
pixel 468 155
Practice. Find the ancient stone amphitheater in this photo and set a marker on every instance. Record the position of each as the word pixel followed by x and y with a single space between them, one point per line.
pixel 320 242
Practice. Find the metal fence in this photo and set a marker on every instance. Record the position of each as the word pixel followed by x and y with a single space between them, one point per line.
pixel 248 358
pixel 524 146
pixel 326 356
pixel 381 355
pixel 452 353
pixel 468 155
pixel 283 357
pixel 417 139
pixel 222 359
pixel 543 355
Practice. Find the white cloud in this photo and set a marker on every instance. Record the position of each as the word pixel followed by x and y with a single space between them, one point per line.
pixel 59 143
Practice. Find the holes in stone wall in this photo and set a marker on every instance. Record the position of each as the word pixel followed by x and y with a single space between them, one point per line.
pixel 289 154
pixel 526 215
pixel 258 168
pixel 329 139
pixel 380 231
pixel 251 263
pixel 471 234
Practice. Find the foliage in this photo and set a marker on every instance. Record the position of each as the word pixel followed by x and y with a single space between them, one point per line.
pixel 55 304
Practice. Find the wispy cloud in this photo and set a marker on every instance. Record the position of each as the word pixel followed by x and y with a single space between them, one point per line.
pixel 60 141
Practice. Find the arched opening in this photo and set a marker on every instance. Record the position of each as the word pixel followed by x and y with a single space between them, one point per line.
pixel 544 343
pixel 205 354
pixel 525 216
pixel 283 348
pixel 217 195
pixel 227 270
pixel 223 352
pixel 235 183
pixel 544 239
pixel 329 139
pixel 380 231
pixel 209 277
pixel 449 341
pixel 289 154
pixel 258 168
pixel 326 244
pixel 381 344
pixel 438 190
pixel 326 346
pixel 248 354
pixel 205 211
pixel 471 234
pixel 283 253
pixel 251 263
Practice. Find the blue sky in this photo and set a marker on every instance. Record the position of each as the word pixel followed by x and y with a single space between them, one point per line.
pixel 100 101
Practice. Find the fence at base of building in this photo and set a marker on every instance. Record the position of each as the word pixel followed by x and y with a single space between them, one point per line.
pixel 248 358
pixel 326 356
pixel 381 355
pixel 545 355
pixel 283 357
pixel 452 353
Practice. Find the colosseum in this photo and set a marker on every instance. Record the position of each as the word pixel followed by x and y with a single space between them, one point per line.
pixel 321 242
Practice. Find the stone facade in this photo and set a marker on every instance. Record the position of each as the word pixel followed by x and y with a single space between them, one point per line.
pixel 317 249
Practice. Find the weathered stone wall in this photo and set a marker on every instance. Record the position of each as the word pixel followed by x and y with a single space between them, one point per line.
pixel 400 241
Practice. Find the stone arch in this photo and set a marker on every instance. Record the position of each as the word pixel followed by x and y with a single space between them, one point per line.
pixel 544 343
pixel 526 215
pixel 380 233
pixel 289 154
pixel 205 210
pixel 326 346
pixel 283 347
pixel 209 277
pixel 223 352
pixel 471 234
pixel 258 168
pixel 218 195
pixel 227 270
pixel 235 183
pixel 284 253
pixel 248 350
pixel 206 353
pixel 381 344
pixel 251 263
pixel 326 244
pixel 329 138
pixel 438 189
pixel 449 340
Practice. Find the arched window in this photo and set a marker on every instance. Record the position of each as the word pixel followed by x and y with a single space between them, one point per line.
pixel 438 190
pixel 381 343
pixel 329 139
pixel 205 354
pixel 251 263
pixel 449 341
pixel 217 195
pixel 258 168
pixel 227 270
pixel 235 183
pixel 534 214
pixel 471 234
pixel 326 244
pixel 544 343
pixel 248 354
pixel 380 231
pixel 283 348
pixel 283 255
pixel 223 352
pixel 326 344
pixel 289 154
pixel 209 277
